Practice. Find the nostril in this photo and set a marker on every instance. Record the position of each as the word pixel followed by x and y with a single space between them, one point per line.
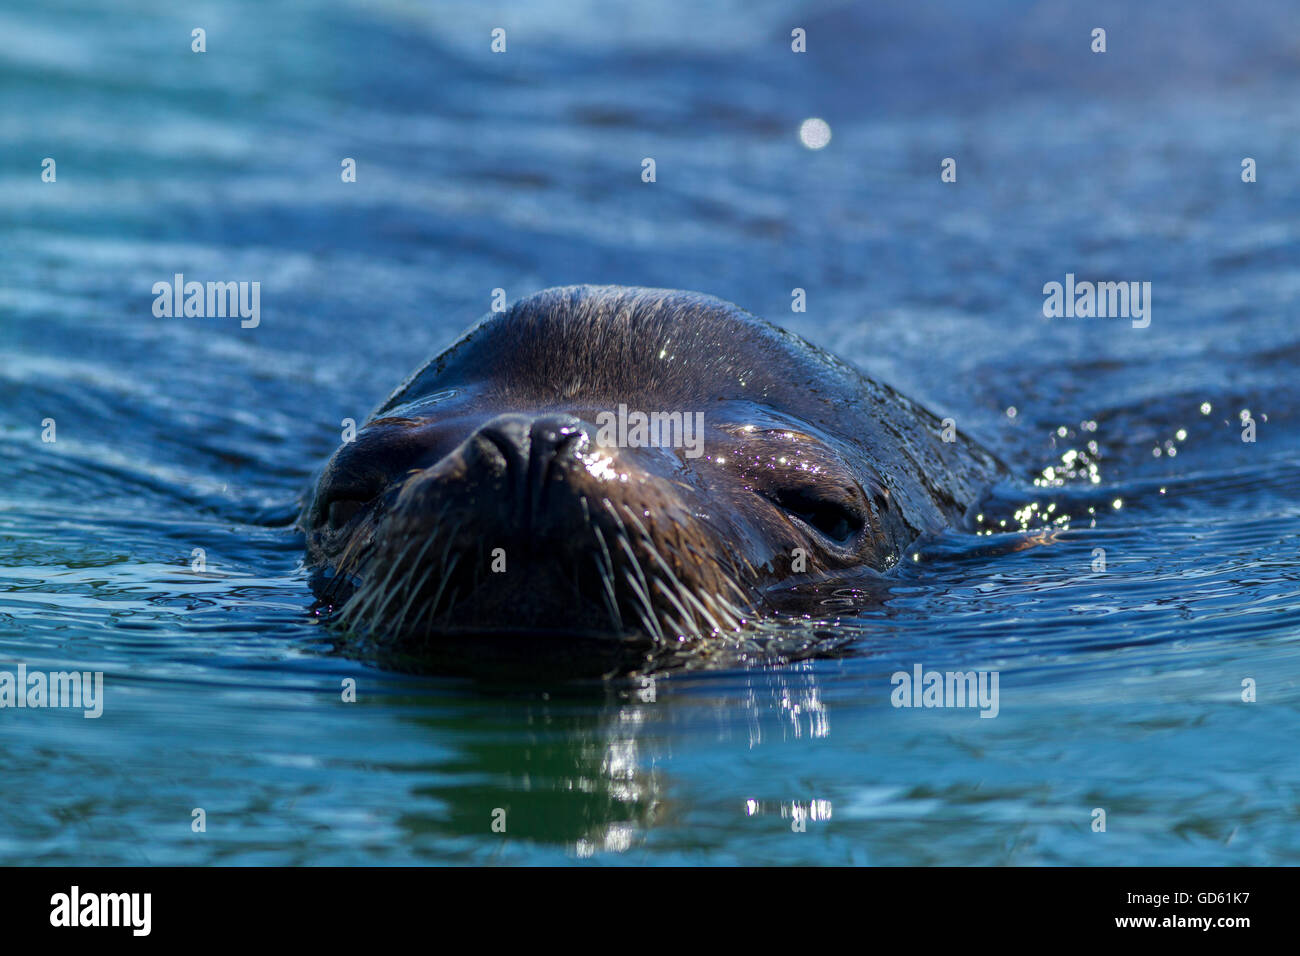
pixel 502 444
pixel 552 440
pixel 528 452
pixel 572 442
pixel 498 446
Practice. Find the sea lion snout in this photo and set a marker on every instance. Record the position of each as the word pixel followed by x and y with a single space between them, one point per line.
pixel 521 455
pixel 539 483
pixel 529 524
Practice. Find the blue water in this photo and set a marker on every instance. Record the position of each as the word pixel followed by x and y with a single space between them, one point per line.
pixel 1120 689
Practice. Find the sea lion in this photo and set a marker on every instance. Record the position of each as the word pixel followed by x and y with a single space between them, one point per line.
pixel 601 477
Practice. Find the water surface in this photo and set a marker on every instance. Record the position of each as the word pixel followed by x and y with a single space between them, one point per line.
pixel 1120 689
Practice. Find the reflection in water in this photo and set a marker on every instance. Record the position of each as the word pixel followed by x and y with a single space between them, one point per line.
pixel 576 769
pixel 589 773
pixel 789 700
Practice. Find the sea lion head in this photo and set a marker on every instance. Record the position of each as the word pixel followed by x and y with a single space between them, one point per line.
pixel 625 469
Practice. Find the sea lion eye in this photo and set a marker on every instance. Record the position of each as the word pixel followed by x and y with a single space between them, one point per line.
pixel 340 502
pixel 362 470
pixel 835 519
pixel 343 510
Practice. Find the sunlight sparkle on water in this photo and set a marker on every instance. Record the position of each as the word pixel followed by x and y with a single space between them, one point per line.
pixel 814 133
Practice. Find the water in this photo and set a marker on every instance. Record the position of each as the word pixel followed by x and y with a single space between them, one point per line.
pixel 1119 689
